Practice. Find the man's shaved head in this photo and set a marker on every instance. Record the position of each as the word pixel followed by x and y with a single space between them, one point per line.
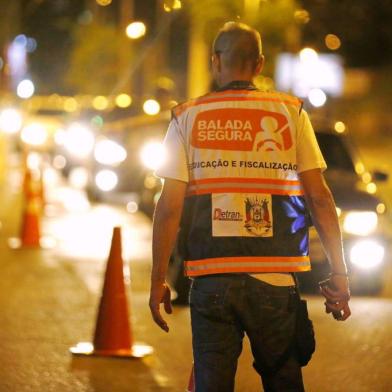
pixel 238 45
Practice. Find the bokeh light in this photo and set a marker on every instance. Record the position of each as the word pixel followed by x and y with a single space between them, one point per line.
pixel 371 188
pixel 153 155
pixel 70 104
pixel 25 89
pixel 106 180
pixel 302 16
pixel 34 134
pixel 10 120
pixel 136 30
pixel 79 141
pixel 132 207
pixel 151 107
pixel 104 3
pixel 100 102
pixel 332 42
pixel 109 152
pixel 123 100
pixel 340 127
pixel 317 97
pixel 308 54
pixel 172 5
pixel 78 177
pixel 381 208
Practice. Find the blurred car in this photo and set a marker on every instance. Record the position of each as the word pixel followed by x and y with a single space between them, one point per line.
pixel 124 159
pixel 361 213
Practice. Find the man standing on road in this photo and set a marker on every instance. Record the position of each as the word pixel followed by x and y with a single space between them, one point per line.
pixel 241 163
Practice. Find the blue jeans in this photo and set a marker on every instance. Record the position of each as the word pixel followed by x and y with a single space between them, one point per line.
pixel 224 308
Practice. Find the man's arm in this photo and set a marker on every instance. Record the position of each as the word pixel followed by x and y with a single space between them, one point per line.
pixel 323 210
pixel 165 227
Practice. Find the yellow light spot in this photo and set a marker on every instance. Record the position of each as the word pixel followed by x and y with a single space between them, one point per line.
pixel 123 100
pixel 359 168
pixel 366 177
pixel 70 105
pixel 332 42
pixel 104 3
pixel 338 211
pixel 151 107
pixel 177 5
pixel 371 188
pixel 172 5
pixel 381 208
pixel 165 83
pixel 100 102
pixel 340 127
pixel 302 16
pixel 136 30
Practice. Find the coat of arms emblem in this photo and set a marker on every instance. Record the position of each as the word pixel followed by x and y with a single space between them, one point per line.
pixel 258 221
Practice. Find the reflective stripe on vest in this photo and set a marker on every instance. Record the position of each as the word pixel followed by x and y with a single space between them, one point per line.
pixel 247 264
pixel 250 185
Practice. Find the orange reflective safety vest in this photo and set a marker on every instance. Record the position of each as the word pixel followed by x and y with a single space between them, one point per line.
pixel 244 210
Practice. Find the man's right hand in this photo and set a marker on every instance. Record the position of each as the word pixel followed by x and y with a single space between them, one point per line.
pixel 160 293
pixel 337 295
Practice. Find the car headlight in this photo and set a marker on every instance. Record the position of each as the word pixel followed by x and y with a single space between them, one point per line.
pixel 360 222
pixel 367 254
pixel 108 152
pixel 79 141
pixel 153 155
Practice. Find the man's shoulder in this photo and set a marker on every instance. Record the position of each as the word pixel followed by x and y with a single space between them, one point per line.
pixel 183 106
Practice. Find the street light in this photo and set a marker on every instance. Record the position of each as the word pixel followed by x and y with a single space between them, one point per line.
pixel 136 30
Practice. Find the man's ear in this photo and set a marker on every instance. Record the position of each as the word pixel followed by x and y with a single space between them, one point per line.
pixel 216 62
pixel 259 65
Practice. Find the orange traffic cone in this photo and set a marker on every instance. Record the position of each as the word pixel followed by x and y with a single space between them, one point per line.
pixel 113 336
pixel 191 383
pixel 30 228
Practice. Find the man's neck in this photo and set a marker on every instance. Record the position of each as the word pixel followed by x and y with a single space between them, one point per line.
pixel 226 79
